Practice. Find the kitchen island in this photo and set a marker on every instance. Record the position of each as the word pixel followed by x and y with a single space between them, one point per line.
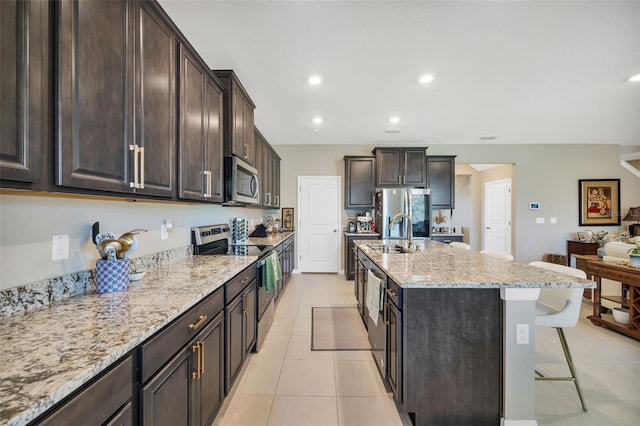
pixel 450 317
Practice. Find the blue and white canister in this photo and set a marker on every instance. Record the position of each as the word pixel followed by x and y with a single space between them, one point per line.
pixel 112 275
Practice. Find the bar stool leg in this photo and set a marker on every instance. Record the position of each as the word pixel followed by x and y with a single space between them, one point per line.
pixel 567 355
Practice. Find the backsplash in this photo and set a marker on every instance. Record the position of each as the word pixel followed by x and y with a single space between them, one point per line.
pixel 42 293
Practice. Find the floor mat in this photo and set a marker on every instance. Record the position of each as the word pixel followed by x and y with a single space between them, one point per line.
pixel 338 329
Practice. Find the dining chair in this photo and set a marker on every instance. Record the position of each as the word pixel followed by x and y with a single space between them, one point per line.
pixel 560 308
pixel 497 254
pixel 460 245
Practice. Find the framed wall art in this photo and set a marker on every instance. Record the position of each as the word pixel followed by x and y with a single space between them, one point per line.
pixel 599 202
pixel 287 218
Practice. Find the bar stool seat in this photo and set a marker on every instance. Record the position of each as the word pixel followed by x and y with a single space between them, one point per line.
pixel 559 308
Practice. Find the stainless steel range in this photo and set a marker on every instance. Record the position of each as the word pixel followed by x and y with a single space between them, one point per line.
pixel 218 240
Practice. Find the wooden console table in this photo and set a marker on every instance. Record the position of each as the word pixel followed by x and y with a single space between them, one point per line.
pixel 629 277
pixel 581 248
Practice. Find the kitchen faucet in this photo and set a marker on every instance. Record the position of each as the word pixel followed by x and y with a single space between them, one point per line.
pixel 411 246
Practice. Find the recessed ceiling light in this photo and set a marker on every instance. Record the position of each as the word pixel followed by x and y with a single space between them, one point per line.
pixel 488 137
pixel 317 120
pixel 394 119
pixel 427 78
pixel 635 78
pixel 315 80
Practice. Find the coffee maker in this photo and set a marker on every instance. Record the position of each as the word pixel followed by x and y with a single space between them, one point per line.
pixel 364 223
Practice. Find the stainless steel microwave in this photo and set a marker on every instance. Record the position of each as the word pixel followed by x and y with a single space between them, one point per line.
pixel 240 181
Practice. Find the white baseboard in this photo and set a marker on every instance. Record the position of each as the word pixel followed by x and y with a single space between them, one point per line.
pixel 504 422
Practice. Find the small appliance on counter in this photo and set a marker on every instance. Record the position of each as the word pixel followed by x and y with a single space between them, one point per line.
pixel 364 223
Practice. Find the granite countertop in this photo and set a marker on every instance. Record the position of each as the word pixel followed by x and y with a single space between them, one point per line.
pixel 50 352
pixel 361 234
pixel 439 265
pixel 270 239
pixel 444 234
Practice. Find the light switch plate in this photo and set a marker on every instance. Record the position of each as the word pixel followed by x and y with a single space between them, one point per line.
pixel 164 234
pixel 539 220
pixel 553 220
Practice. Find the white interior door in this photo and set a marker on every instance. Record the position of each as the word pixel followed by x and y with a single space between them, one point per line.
pixel 497 216
pixel 319 226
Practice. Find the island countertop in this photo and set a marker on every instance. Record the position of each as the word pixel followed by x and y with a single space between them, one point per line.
pixel 439 265
pixel 50 352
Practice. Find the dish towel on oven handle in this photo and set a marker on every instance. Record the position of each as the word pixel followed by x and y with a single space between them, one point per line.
pixel 374 294
pixel 272 271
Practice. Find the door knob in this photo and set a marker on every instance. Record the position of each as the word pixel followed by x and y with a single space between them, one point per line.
pixel 335 230
pixel 487 227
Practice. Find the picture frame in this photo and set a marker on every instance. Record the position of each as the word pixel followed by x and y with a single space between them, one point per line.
pixel 287 219
pixel 581 236
pixel 599 202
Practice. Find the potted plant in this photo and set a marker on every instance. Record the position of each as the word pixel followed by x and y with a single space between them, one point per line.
pixel 601 238
pixel 634 254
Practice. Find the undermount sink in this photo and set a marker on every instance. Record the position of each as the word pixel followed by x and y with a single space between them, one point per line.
pixel 392 248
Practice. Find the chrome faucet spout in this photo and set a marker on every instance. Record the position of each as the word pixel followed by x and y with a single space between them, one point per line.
pixel 412 246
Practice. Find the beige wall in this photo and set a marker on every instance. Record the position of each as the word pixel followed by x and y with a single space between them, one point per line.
pixel 545 173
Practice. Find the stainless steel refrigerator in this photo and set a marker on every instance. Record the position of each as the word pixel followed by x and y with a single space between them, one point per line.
pixel 414 202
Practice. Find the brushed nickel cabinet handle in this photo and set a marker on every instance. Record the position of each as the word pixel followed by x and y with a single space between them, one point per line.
pixel 133 148
pixel 141 151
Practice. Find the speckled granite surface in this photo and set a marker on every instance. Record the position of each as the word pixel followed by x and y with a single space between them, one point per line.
pixel 41 293
pixel 270 239
pixel 49 352
pixel 442 266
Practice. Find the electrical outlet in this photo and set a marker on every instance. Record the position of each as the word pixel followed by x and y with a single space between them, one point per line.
pixel 522 334
pixel 553 220
pixel 164 233
pixel 59 247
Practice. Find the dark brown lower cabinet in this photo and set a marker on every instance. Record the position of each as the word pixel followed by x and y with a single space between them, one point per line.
pixel 240 337
pixel 105 398
pixel 394 349
pixel 189 389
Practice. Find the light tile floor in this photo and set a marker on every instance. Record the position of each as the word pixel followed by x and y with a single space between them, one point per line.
pixel 287 384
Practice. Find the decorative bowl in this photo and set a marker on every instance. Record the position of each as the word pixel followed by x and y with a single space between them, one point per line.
pixel 621 315
pixel 135 276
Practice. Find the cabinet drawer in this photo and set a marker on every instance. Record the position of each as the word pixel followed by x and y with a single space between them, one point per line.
pixel 394 293
pixel 99 401
pixel 235 285
pixel 156 351
pixel 446 238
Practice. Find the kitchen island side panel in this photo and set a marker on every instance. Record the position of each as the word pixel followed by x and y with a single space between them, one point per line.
pixel 452 357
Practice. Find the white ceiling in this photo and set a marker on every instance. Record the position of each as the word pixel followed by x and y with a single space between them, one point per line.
pixel 526 71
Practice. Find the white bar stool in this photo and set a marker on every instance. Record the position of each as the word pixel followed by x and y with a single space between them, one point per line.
pixel 559 308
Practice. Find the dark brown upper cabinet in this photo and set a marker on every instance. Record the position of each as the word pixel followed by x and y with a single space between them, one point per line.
pixel 359 182
pixel 268 170
pixel 238 124
pixel 201 101
pixel 397 167
pixel 441 181
pixel 116 80
pixel 24 93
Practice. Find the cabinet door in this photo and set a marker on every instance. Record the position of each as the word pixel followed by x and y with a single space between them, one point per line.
pixel 257 140
pixel 414 172
pixel 360 181
pixel 24 90
pixel 167 398
pixel 192 144
pixel 389 167
pixel 394 356
pixel 249 140
pixel 267 178
pixel 441 180
pixel 251 317
pixel 123 418
pixel 234 342
pixel 275 180
pixel 210 385
pixel 238 134
pixel 95 94
pixel 213 141
pixel 156 73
